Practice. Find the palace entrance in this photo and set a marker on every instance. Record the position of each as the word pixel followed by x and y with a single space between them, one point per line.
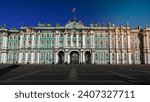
pixel 61 57
pixel 87 57
pixel 74 57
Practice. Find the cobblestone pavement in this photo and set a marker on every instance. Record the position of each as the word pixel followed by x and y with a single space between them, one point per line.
pixel 75 74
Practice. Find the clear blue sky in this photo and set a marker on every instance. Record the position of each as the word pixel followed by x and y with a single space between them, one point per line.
pixel 13 12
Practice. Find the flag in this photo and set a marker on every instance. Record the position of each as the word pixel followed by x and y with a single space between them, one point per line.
pixel 73 10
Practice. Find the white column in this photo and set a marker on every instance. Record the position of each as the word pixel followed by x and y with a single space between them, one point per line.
pixel 93 57
pixel 148 57
pixel 38 40
pixel 4 57
pixel 92 39
pixel 21 45
pixel 20 57
pixel 65 40
pixel 123 60
pixel 110 40
pixel 4 41
pixel 110 57
pixel 21 40
pixel 38 57
pixel 83 57
pixel 122 41
pixel 117 58
pixel 147 41
pixel 71 40
pixel 33 41
pixel 129 43
pixel 26 57
pixel 93 42
pixel 27 42
pixel 32 46
pixel 116 41
pixel 129 48
pixel 77 40
pixel 56 42
pixel 129 58
pixel 65 59
pixel 58 36
pixel 145 48
pixel 68 58
pixel 32 57
pixel 4 53
pixel 55 58
pixel 83 40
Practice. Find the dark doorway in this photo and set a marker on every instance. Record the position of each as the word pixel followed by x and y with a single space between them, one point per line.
pixel 61 57
pixel 88 57
pixel 74 57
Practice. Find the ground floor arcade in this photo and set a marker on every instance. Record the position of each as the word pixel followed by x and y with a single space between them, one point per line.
pixel 74 57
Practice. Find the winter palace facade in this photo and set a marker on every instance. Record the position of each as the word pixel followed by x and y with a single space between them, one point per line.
pixel 75 43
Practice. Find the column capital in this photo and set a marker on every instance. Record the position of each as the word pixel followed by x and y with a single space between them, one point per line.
pixel 57 32
pixel 92 33
pixel 83 32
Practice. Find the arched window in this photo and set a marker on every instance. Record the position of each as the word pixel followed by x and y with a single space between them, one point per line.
pixel 24 43
pixel 80 35
pixel 61 35
pixel 9 57
pixel 113 57
pixel 69 35
pixel 88 35
pixel 53 43
pixel 47 43
pixel 74 35
pixel 35 58
pixel 125 44
pixel 53 35
pixel 69 44
pixel 101 35
pixel 74 43
pixel 107 56
pixel 61 43
pixel 101 56
pixel 48 35
pixel 42 44
pixel 29 57
pixel 47 57
pixel 14 45
pixel 87 44
pixel 125 56
pixel 95 35
pixel 119 43
pixel 29 43
pixel 41 56
pixel 96 44
pixel 101 43
pixel 80 43
pixel 23 57
pixel 107 44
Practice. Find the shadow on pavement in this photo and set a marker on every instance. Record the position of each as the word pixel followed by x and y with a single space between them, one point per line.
pixel 8 69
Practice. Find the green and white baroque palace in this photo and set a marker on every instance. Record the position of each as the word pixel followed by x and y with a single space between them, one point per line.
pixel 75 43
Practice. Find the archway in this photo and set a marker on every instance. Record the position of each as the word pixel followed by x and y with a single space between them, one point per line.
pixel 74 57
pixel 61 57
pixel 87 57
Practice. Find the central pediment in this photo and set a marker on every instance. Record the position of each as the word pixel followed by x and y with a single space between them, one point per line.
pixel 74 24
